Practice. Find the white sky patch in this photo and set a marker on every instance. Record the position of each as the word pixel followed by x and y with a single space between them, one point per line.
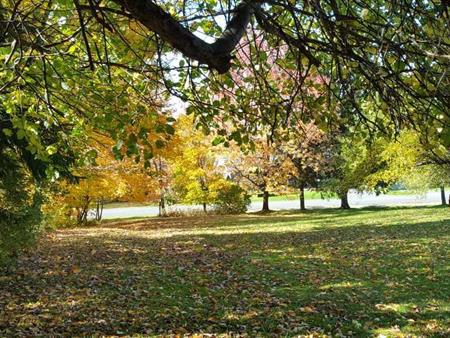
pixel 177 106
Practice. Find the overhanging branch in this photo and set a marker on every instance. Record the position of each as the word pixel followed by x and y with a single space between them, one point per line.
pixel 217 55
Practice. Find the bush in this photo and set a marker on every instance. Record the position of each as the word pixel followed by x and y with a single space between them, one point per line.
pixel 18 230
pixel 20 215
pixel 231 199
pixel 20 207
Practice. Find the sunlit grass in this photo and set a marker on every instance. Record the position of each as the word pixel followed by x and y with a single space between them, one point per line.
pixel 309 195
pixel 363 272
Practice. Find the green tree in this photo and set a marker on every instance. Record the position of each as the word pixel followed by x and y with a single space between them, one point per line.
pixel 354 162
pixel 409 161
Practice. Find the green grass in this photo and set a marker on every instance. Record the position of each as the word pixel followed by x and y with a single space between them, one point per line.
pixel 309 195
pixel 113 205
pixel 365 272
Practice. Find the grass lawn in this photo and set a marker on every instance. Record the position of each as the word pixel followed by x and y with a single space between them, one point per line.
pixel 312 195
pixel 365 272
pixel 309 195
pixel 113 205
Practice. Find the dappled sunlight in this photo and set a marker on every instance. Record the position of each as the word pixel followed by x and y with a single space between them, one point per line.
pixel 290 277
pixel 345 284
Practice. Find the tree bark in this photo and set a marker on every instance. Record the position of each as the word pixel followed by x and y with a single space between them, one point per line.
pixel 444 202
pixel 265 201
pixel 162 207
pixel 99 210
pixel 204 207
pixel 83 210
pixel 217 55
pixel 344 200
pixel 302 197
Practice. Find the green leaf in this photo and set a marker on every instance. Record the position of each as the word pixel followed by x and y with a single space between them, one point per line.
pixel 160 144
pixel 7 132
pixel 20 134
pixel 218 140
pixel 170 129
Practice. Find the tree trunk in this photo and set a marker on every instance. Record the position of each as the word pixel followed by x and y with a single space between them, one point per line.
pixel 82 216
pixel 302 197
pixel 204 207
pixel 344 201
pixel 102 204
pixel 265 201
pixel 162 207
pixel 79 215
pixel 84 210
pixel 444 202
pixel 99 210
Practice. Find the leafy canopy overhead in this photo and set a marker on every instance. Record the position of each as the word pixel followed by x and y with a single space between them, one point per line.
pixel 380 62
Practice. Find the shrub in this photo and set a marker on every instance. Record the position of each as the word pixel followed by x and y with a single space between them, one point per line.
pixel 20 208
pixel 18 230
pixel 231 199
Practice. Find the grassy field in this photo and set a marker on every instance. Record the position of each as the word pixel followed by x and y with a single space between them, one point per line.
pixel 309 195
pixel 365 272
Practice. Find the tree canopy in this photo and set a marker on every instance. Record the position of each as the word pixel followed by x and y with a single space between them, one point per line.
pixel 390 56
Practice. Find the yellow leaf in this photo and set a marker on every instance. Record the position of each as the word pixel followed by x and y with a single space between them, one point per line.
pixel 75 269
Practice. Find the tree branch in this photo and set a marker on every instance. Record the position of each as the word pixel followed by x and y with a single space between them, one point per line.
pixel 216 55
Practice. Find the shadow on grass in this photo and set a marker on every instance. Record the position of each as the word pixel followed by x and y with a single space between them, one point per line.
pixel 360 279
pixel 273 217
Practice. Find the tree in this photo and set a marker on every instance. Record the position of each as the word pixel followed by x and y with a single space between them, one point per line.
pixel 20 202
pixel 409 161
pixel 28 156
pixel 95 182
pixel 262 169
pixel 196 170
pixel 373 50
pixel 112 176
pixel 355 162
pixel 422 178
pixel 391 52
pixel 308 148
pixel 91 192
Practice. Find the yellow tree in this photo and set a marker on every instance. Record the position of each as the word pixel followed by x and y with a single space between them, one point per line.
pixel 148 175
pixel 142 178
pixel 97 181
pixel 409 161
pixel 197 174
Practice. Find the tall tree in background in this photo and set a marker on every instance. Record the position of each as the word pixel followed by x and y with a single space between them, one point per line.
pixel 196 170
pixel 354 160
pixel 263 169
pixel 308 148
